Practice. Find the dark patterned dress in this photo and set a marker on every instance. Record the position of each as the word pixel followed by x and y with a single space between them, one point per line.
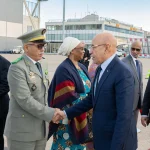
pixel 61 139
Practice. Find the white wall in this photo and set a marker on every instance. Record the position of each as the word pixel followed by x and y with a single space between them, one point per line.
pixel 27 22
pixel 2 28
pixel 14 29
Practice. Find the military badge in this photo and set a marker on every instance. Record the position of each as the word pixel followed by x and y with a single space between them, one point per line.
pixel 31 74
pixel 33 88
pixel 46 72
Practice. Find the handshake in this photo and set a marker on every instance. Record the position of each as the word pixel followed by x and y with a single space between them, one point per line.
pixel 58 116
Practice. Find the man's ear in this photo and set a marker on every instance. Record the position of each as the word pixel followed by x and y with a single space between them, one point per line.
pixel 25 47
pixel 108 47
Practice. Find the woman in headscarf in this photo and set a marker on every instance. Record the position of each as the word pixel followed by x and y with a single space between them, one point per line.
pixel 69 85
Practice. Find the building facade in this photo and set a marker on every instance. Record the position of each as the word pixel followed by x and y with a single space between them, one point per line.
pixel 15 20
pixel 11 23
pixel 86 28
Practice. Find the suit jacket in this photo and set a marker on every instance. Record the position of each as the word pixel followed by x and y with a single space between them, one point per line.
pixel 113 120
pixel 138 82
pixel 28 109
pixel 4 88
pixel 146 100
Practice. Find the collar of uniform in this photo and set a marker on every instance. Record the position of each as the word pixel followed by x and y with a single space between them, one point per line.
pixel 32 59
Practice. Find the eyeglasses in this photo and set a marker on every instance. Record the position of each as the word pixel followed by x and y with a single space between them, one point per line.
pixel 80 48
pixel 39 46
pixel 95 46
pixel 135 49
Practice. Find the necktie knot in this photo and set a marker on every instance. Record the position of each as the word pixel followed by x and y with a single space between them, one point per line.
pixel 99 70
pixel 39 67
pixel 137 62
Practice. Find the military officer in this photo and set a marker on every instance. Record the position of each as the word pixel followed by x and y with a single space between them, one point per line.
pixel 29 115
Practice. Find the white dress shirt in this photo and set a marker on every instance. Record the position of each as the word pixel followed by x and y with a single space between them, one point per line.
pixel 134 60
pixel 31 59
pixel 105 64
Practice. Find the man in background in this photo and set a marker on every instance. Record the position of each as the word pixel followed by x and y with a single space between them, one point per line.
pixel 4 98
pixel 86 58
pixel 137 69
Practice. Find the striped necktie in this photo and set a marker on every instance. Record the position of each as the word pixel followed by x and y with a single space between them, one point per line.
pixel 97 78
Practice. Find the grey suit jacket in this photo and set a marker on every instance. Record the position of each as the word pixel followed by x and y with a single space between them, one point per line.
pixel 29 113
pixel 138 83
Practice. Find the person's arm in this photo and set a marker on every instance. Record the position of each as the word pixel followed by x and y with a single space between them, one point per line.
pixel 21 92
pixel 146 106
pixel 146 101
pixel 124 104
pixel 83 106
pixel 4 88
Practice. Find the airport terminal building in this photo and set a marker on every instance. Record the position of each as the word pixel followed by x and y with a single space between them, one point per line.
pixel 86 28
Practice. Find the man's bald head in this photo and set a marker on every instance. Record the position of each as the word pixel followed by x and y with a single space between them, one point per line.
pixel 136 44
pixel 136 48
pixel 103 47
pixel 107 38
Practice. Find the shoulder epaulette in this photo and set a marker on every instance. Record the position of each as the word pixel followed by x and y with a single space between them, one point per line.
pixel 17 60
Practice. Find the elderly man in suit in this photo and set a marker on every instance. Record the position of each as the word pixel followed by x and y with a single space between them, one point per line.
pixel 111 99
pixel 4 98
pixel 28 116
pixel 137 70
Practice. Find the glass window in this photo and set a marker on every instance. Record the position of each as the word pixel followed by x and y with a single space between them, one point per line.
pixel 58 27
pixel 110 28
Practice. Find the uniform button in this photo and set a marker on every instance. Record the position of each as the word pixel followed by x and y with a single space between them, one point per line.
pixel 46 103
pixel 45 92
pixel 23 116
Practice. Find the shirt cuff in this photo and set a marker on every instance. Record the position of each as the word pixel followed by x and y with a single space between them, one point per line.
pixel 65 113
pixel 144 116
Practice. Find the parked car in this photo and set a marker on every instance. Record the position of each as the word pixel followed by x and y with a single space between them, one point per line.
pixel 123 52
pixel 119 54
pixel 6 51
pixel 17 50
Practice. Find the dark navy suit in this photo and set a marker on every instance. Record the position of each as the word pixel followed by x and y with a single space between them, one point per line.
pixel 113 121
pixel 4 98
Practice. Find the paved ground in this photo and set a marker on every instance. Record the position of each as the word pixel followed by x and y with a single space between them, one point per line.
pixel 54 60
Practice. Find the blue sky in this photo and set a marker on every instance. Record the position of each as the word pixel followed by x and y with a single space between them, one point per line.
pixel 136 12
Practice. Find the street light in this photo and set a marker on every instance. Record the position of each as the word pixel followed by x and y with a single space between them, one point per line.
pixel 63 20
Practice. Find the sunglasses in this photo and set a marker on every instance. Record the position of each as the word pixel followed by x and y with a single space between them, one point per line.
pixel 135 49
pixel 39 46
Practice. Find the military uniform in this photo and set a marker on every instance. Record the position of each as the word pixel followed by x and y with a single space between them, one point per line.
pixel 27 121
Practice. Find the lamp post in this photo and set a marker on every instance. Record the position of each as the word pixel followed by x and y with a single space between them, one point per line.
pixel 39 2
pixel 63 20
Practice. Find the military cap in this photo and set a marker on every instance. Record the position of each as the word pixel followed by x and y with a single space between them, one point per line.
pixel 34 36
